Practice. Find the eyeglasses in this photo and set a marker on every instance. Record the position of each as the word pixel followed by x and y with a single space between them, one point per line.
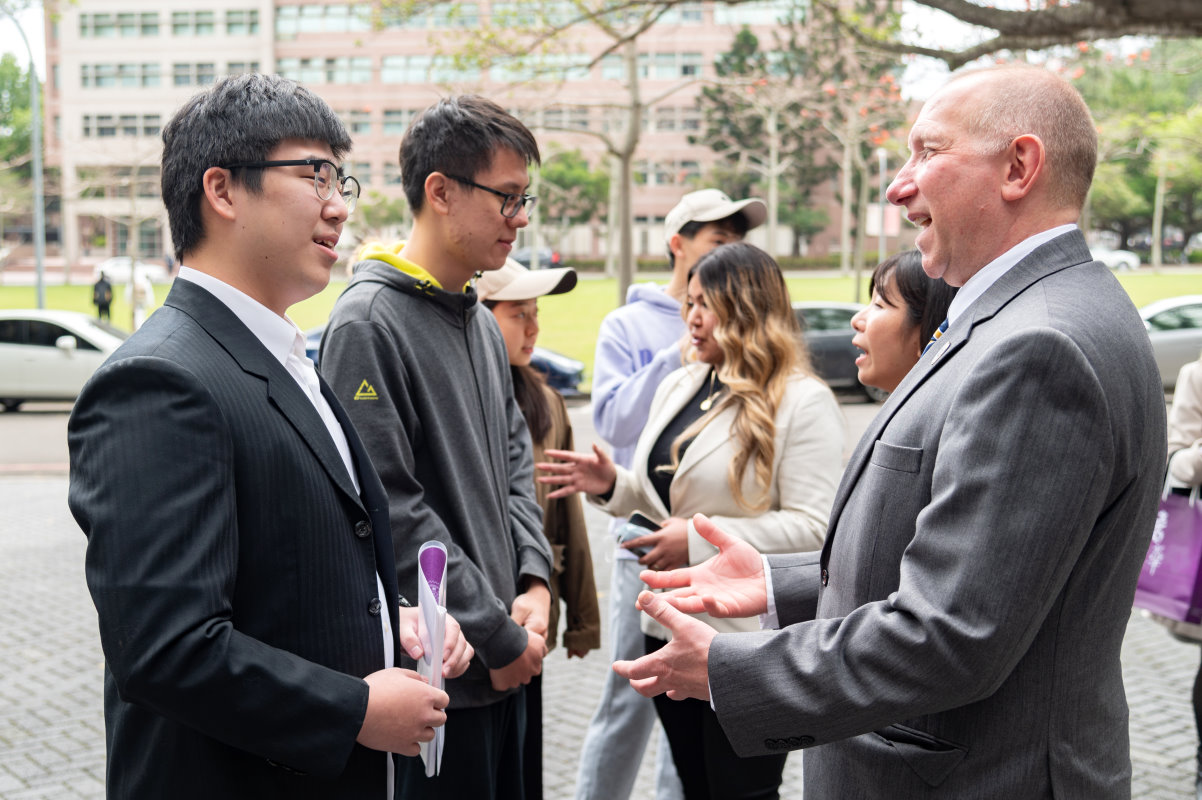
pixel 511 204
pixel 326 177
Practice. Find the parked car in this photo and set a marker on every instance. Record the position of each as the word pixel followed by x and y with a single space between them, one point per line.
pixel 1175 328
pixel 828 334
pixel 546 257
pixel 117 270
pixel 1115 259
pixel 49 355
pixel 564 374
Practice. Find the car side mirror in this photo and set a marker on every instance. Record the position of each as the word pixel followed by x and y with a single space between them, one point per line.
pixel 67 344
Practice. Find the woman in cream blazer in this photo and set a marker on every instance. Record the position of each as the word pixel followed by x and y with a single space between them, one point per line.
pixel 746 435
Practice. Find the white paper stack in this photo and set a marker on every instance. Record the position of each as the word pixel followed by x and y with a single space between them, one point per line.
pixel 432 624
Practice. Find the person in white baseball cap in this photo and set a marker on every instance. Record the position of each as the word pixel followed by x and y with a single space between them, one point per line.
pixel 512 293
pixel 514 282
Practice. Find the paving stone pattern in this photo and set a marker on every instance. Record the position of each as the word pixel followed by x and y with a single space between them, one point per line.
pixel 52 728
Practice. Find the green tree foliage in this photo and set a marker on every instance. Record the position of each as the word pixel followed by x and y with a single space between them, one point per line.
pixel 754 119
pixel 15 118
pixel 571 192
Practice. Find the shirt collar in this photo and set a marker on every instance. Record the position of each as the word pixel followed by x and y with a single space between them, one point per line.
pixel 988 275
pixel 279 335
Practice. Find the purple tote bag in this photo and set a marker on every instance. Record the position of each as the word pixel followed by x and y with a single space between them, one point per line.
pixel 1170 581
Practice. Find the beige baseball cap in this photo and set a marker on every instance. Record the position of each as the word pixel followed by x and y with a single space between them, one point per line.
pixel 708 205
pixel 515 282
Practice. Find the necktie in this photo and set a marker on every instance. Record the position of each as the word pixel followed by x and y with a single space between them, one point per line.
pixel 935 337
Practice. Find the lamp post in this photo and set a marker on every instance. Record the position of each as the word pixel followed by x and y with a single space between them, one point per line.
pixel 35 145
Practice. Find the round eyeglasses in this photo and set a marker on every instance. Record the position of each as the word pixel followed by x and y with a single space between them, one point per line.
pixel 511 204
pixel 326 177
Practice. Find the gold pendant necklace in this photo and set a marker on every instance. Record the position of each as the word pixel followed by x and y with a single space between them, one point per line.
pixel 708 402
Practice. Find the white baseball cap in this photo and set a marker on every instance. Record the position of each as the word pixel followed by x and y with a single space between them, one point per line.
pixel 515 282
pixel 709 205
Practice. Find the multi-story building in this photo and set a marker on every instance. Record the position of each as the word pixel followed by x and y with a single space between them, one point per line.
pixel 117 70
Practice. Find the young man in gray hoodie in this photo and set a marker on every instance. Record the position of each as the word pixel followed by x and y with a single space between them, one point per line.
pixel 422 370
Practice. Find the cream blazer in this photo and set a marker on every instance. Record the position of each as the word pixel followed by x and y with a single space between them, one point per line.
pixel 806 469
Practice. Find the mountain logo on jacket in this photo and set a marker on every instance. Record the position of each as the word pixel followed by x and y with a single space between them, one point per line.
pixel 366 391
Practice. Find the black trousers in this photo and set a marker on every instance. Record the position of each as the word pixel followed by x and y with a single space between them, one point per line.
pixel 482 759
pixel 532 753
pixel 705 761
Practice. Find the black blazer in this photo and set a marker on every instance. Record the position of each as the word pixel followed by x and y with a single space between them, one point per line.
pixel 232 564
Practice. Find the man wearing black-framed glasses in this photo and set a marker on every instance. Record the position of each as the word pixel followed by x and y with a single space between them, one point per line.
pixel 423 372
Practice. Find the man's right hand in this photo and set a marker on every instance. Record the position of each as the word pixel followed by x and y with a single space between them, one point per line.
pixel 730 584
pixel 524 667
pixel 402 711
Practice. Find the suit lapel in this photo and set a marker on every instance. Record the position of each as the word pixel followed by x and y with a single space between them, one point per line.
pixel 254 359
pixel 1060 253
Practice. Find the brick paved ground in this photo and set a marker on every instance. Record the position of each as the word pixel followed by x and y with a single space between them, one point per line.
pixel 51 727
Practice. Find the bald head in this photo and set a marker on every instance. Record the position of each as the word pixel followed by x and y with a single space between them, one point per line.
pixel 1011 101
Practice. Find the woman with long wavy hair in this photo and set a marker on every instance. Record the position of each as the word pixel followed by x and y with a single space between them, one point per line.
pixel 747 435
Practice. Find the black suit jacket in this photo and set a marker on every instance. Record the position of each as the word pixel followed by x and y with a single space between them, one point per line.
pixel 232 564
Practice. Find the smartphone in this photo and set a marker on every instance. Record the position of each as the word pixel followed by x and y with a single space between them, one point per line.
pixel 635 527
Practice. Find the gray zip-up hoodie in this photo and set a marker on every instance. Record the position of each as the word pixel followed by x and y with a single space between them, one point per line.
pixel 424 375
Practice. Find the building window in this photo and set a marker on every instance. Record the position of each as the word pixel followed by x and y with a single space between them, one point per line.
pixel 151 75
pixel 104 76
pixel 152 125
pixel 761 12
pixel 690 65
pixel 193 23
pixel 407 69
pixel 194 74
pixel 242 23
pixel 128 75
pixel 348 70
pixel 105 127
pixel 358 122
pixel 241 67
pixel 396 121
pixel 150 23
pixel 129 124
pixel 392 173
pixel 360 171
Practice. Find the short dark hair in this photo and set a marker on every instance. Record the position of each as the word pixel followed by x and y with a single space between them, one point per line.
pixel 736 222
pixel 458 136
pixel 239 118
pixel 902 278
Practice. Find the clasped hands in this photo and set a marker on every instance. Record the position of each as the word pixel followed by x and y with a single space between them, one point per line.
pixel 532 610
pixel 402 708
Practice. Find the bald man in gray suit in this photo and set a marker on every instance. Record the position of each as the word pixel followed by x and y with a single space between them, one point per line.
pixel 958 636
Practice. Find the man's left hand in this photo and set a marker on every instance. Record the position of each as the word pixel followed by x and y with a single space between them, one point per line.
pixel 680 668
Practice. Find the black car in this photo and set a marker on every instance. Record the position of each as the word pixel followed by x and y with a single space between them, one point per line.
pixel 828 334
pixel 546 257
pixel 563 374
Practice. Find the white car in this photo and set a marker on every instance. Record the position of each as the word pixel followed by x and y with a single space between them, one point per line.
pixel 116 269
pixel 1175 328
pixel 49 355
pixel 1115 259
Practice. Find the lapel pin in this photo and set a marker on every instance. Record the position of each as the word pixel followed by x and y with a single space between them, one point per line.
pixel 941 351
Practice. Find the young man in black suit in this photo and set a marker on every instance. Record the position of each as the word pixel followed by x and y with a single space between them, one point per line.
pixel 239 549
